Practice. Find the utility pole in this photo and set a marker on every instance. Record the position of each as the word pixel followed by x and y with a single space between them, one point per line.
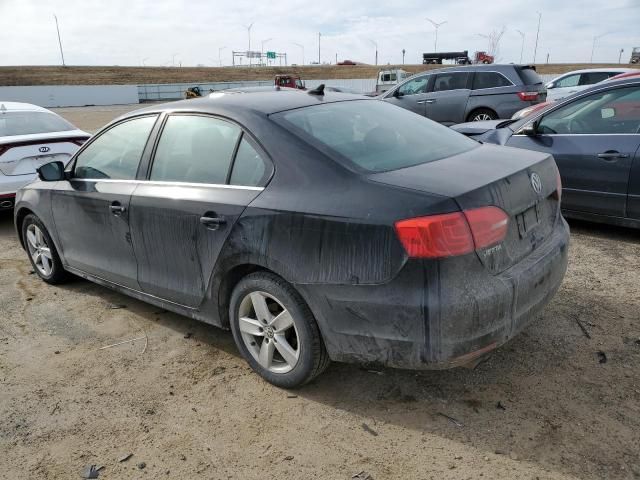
pixel 375 45
pixel 522 47
pixel 59 41
pixel 262 47
pixel 547 59
pixel 319 35
pixel 336 58
pixel 403 52
pixel 535 50
pixel 436 26
pixel 620 56
pixel 248 27
pixel 593 47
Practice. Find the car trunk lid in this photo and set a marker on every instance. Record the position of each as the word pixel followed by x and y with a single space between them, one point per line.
pixel 19 156
pixel 494 176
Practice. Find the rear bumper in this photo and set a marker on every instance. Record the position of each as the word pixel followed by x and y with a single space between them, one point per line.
pixel 9 185
pixel 438 314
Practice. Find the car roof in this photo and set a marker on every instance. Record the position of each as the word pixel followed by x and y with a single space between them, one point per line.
pixel 21 107
pixel 480 67
pixel 252 101
pixel 597 70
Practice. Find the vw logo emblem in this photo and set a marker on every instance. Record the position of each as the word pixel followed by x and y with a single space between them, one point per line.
pixel 44 149
pixel 536 183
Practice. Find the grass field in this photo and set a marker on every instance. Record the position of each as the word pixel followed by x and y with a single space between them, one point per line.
pixel 114 75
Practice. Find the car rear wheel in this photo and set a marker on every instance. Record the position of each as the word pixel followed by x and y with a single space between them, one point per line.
pixel 42 252
pixel 481 115
pixel 275 331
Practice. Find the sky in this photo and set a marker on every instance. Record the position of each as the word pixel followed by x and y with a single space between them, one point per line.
pixel 188 33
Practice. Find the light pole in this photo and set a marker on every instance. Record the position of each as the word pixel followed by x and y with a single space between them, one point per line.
pixel 248 27
pixel 173 59
pixel 319 35
pixel 620 56
pixel 522 47
pixel 302 47
pixel 593 47
pixel 219 58
pixel 535 50
pixel 436 26
pixel 375 45
pixel 59 41
pixel 144 60
pixel 403 52
pixel 262 47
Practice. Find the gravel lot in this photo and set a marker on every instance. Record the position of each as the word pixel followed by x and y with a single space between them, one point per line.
pixel 184 403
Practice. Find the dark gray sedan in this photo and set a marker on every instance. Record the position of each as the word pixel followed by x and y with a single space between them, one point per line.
pixel 315 226
pixel 594 137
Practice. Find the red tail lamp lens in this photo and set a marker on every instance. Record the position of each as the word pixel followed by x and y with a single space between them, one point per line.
pixel 452 234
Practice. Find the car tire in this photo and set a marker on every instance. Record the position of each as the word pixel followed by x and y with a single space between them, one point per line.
pixel 286 347
pixel 482 114
pixel 42 252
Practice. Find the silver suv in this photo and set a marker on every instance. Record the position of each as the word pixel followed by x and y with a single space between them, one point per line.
pixel 469 93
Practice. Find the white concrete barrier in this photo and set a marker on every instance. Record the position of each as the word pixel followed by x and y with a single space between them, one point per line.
pixel 71 95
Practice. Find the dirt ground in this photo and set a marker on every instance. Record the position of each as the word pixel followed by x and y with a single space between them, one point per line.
pixel 183 402
pixel 112 75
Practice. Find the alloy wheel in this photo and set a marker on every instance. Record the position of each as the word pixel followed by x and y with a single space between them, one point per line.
pixel 481 117
pixel 39 250
pixel 269 332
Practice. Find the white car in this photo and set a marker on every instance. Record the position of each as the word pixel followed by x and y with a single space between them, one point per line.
pixel 31 136
pixel 573 82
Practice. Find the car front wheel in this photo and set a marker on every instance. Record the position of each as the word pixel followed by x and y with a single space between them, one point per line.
pixel 275 331
pixel 42 252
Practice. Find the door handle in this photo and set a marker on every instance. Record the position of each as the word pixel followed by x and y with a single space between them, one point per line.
pixel 117 209
pixel 612 155
pixel 212 222
pixel 431 100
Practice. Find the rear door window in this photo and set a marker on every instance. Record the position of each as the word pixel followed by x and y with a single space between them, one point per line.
pixel 451 81
pixel 249 168
pixel 116 153
pixel 490 80
pixel 195 149
pixel 593 77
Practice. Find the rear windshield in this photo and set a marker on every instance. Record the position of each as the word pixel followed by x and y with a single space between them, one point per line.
pixel 372 135
pixel 529 76
pixel 26 123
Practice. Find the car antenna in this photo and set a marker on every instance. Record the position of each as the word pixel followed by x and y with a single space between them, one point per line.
pixel 319 90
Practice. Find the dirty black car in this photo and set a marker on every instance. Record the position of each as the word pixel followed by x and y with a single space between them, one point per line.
pixel 316 226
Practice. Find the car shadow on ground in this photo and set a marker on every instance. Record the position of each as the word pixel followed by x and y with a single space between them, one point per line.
pixel 545 397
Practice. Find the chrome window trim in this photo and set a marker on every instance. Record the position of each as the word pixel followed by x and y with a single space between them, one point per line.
pixel 173 184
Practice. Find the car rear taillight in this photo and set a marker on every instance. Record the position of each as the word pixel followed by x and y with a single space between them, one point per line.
pixel 528 96
pixel 452 234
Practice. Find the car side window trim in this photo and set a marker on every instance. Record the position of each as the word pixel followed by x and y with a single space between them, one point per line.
pixel 269 164
pixel 180 184
pixel 71 166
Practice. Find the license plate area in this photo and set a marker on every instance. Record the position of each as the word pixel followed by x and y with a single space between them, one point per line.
pixel 528 220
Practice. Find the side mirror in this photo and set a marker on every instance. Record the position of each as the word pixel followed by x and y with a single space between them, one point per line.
pixel 550 85
pixel 51 172
pixel 530 129
pixel 397 93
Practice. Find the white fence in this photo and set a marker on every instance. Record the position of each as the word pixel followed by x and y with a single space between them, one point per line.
pixel 71 95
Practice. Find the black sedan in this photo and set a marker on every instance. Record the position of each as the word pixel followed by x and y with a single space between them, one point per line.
pixel 594 137
pixel 315 226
